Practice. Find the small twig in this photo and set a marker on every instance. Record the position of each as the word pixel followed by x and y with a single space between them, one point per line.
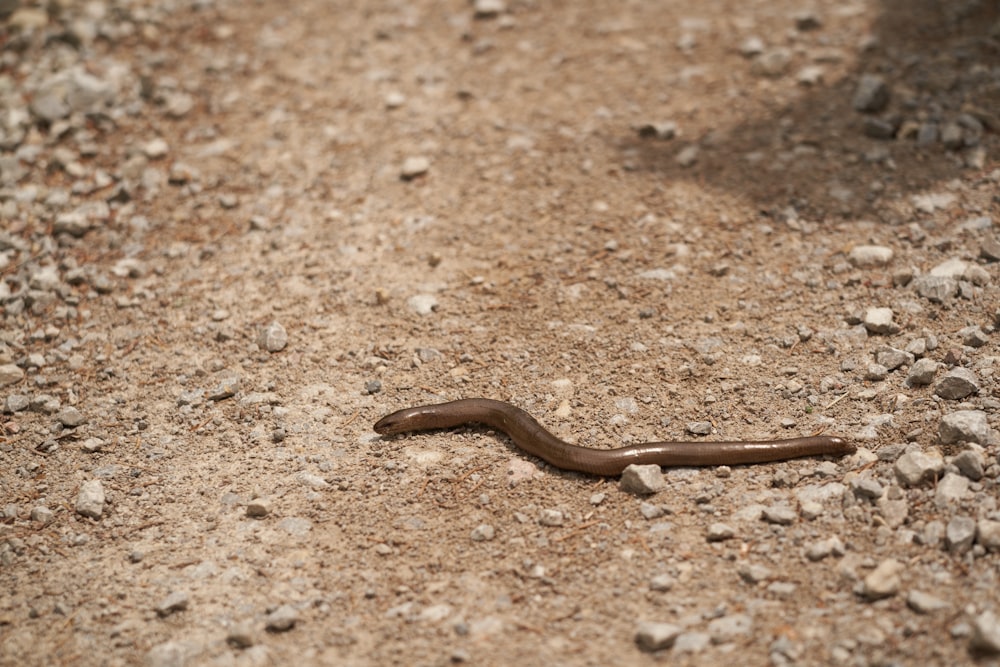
pixel 579 529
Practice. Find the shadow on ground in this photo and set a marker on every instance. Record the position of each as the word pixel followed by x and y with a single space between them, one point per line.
pixel 941 62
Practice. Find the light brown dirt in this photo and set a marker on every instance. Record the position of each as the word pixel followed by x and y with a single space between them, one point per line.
pixel 540 213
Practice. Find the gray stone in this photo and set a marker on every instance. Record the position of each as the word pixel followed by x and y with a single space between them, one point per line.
pixel 956 384
pixel 780 514
pixel 879 321
pixel 990 249
pixel 973 336
pixel 70 417
pixel 176 601
pixel 866 487
pixel 922 372
pixel 719 532
pixel 985 637
pixel 422 304
pixel 483 533
pixel 952 268
pixel 871 95
pixel 281 619
pixel 936 289
pixel 273 337
pixel 730 627
pixel 915 467
pixel 869 256
pixel 90 500
pixel 884 581
pixel 772 63
pixel 951 488
pixel 413 167
pixel 691 642
pixel 642 480
pixel 959 534
pixel 893 508
pixel 41 514
pixel 924 603
pixel 488 8
pixel 10 374
pixel 241 635
pixel 819 550
pixel 174 653
pixel 258 508
pixel 892 358
pixel 876 372
pixel 964 426
pixel 698 428
pixel 661 583
pixel 226 388
pixel 970 463
pixel 754 574
pixel 550 517
pixel 652 636
pixel 988 534
pixel 295 525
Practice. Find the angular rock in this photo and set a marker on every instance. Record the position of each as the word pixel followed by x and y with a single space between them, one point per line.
pixel 90 500
pixel 652 636
pixel 884 581
pixel 177 601
pixel 985 634
pixel 922 372
pixel 10 374
pixel 956 384
pixel 869 256
pixel 642 480
pixel 959 534
pixel 719 532
pixel 951 488
pixel 925 603
pixel 936 289
pixel 912 468
pixel 871 95
pixel 988 534
pixel 273 337
pixel 879 321
pixel 964 426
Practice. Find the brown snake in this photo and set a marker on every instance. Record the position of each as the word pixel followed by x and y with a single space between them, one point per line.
pixel 532 437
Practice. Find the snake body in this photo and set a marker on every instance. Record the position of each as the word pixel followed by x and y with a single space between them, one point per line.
pixel 533 438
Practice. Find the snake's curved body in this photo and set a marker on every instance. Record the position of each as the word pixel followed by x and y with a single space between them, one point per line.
pixel 532 437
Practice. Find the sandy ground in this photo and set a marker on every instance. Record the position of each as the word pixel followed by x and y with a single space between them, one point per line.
pixel 619 287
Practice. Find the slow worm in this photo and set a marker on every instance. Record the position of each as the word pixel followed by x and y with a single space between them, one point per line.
pixel 532 437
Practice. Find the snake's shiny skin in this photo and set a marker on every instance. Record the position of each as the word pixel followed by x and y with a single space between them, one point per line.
pixel 532 437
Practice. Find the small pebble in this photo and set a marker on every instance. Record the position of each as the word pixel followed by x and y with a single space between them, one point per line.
pixel 871 95
pixel 10 374
pixel 241 635
pixel 661 583
pixel 879 321
pixel 884 581
pixel 964 426
pixel 988 534
pixel 699 428
pixel 483 533
pixel 985 637
pixel 951 488
pixel 414 167
pixel 870 256
pixel 959 534
pixel 90 500
pixel 281 619
pixel 915 467
pixel 652 636
pixel 970 463
pixel 924 603
pixel 550 517
pixel 922 372
pixel 273 337
pixel 780 514
pixel 956 384
pixel 422 304
pixel 259 508
pixel 719 532
pixel 176 601
pixel 642 479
